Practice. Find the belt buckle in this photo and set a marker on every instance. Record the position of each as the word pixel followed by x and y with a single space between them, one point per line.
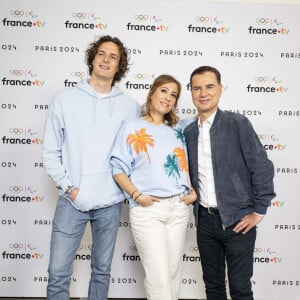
pixel 212 210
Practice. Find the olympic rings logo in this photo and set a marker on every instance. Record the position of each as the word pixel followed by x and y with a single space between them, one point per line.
pixel 270 137
pixel 194 249
pixel 141 76
pixel 16 189
pixel 261 79
pixel 20 246
pixel 21 13
pixel 262 21
pixel 19 189
pixel 16 246
pixel 16 130
pixel 16 13
pixel 202 19
pixel 141 17
pixel 79 15
pixel 78 74
pixel 263 250
pixel 146 18
pixel 16 72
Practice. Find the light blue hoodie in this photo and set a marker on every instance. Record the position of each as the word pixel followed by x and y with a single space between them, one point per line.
pixel 79 132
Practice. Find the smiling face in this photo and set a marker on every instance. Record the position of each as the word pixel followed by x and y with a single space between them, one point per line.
pixel 206 92
pixel 106 62
pixel 163 100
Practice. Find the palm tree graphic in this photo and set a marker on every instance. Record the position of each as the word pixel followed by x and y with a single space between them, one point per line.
pixel 181 157
pixel 171 166
pixel 140 140
pixel 179 134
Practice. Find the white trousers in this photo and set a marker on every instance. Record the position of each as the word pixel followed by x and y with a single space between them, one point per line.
pixel 159 233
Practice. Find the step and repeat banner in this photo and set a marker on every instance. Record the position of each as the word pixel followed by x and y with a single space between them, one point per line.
pixel 257 49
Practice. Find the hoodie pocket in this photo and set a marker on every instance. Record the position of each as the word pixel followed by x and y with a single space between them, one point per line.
pixel 97 190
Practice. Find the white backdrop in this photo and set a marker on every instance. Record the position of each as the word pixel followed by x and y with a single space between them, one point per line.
pixel 257 49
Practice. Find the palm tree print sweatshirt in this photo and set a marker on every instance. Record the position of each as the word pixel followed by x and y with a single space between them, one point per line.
pixel 153 157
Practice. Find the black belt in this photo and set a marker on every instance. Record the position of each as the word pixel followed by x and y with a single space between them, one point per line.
pixel 211 210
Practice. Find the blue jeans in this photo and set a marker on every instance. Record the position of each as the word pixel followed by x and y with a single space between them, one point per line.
pixel 216 246
pixel 68 228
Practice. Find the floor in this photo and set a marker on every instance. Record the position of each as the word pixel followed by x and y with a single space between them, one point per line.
pixel 75 299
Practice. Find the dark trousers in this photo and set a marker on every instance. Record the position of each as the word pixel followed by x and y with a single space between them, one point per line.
pixel 217 246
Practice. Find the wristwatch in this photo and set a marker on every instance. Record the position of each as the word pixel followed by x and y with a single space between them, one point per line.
pixel 69 190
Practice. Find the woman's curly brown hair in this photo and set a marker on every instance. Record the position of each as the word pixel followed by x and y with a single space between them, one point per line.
pixel 123 63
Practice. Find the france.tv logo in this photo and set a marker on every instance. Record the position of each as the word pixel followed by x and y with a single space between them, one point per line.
pixel 23 18
pixel 271 142
pixel 21 251
pixel 21 136
pixel 206 24
pixel 85 20
pixel 266 84
pixel 145 22
pixel 268 26
pixel 22 77
pixel 22 193
pixel 266 255
pixel 140 81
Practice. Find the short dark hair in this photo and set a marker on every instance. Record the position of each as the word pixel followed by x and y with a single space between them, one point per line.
pixel 123 63
pixel 204 69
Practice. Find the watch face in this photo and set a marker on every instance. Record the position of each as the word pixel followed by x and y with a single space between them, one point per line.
pixel 69 189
